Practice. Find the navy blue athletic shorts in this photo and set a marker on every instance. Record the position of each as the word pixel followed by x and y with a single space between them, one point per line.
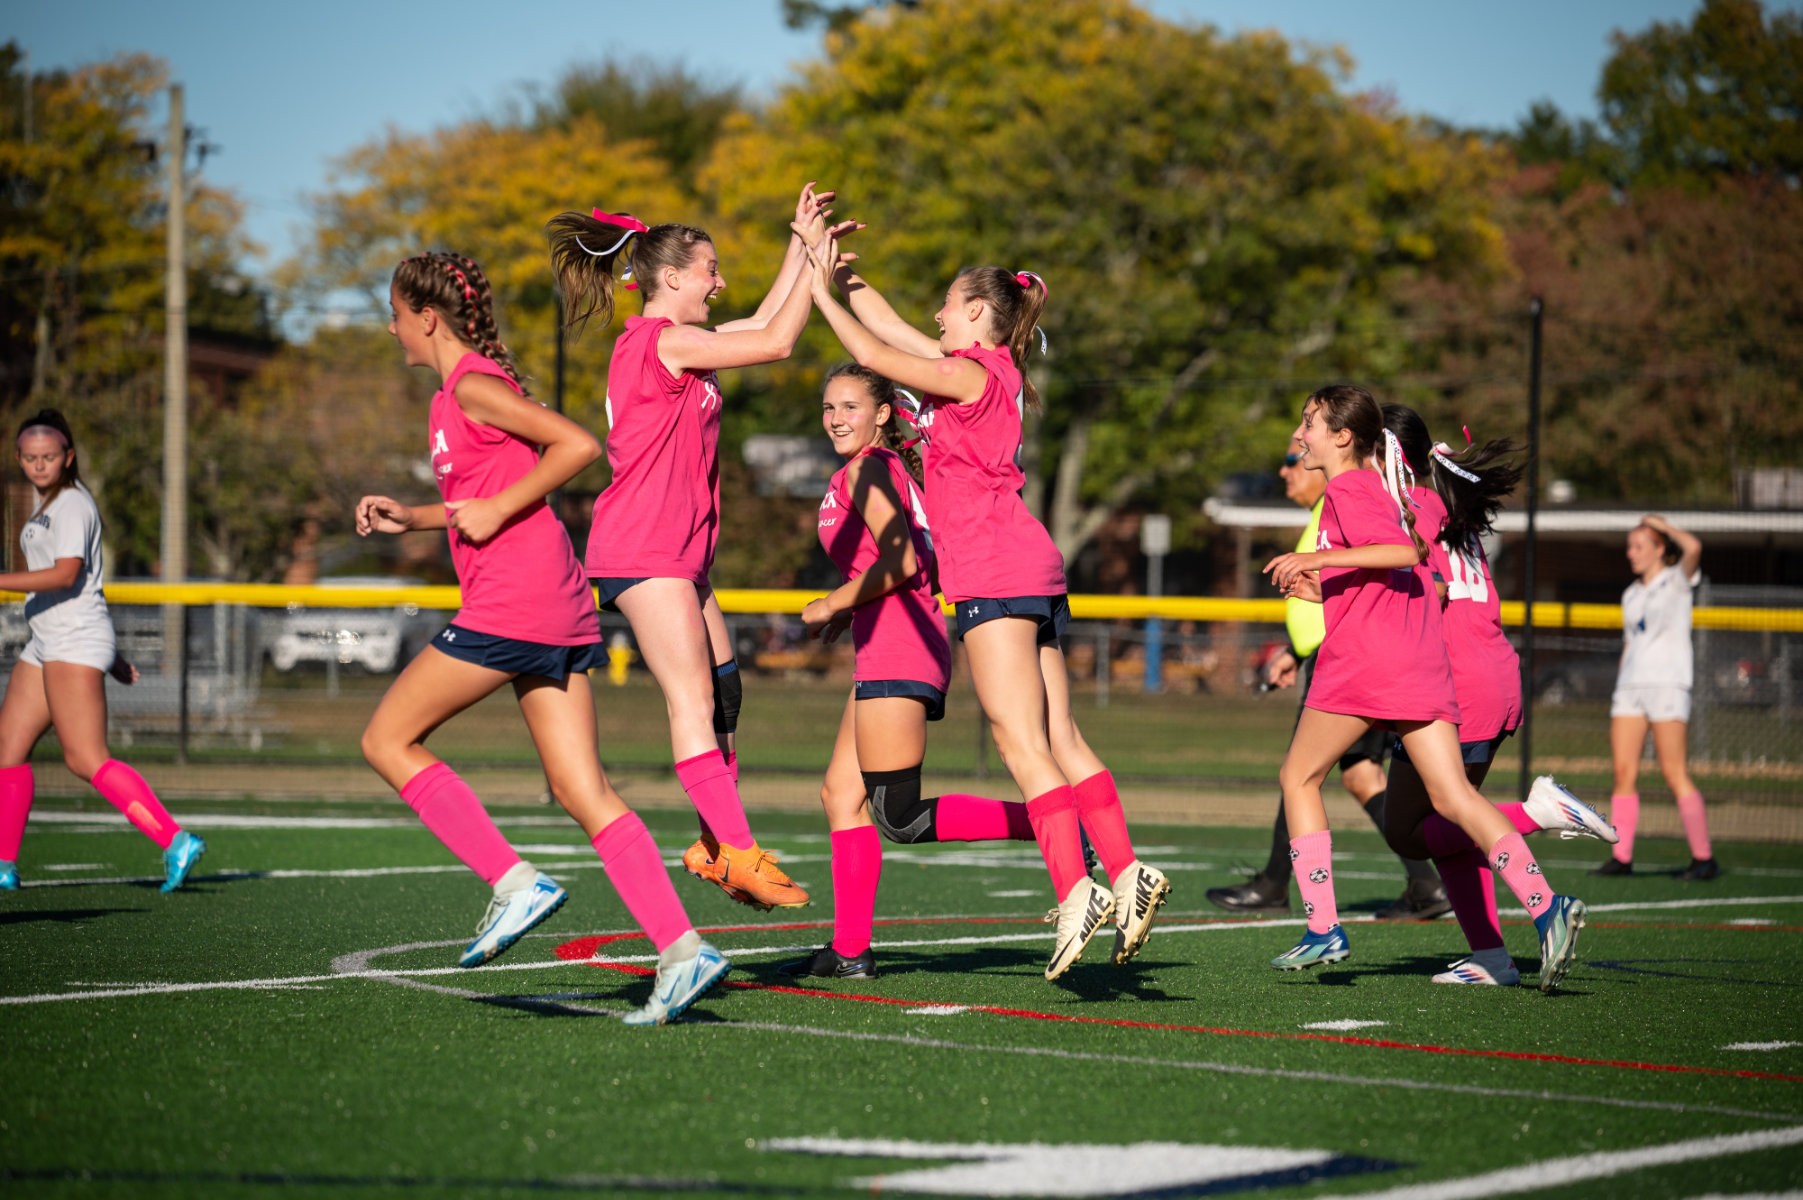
pixel 518 657
pixel 1471 753
pixel 608 590
pixel 878 689
pixel 1052 612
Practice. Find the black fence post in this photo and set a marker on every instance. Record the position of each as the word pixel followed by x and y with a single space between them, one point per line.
pixel 181 735
pixel 1537 309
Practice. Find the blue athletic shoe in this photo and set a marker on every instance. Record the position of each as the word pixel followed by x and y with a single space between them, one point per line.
pixel 509 917
pixel 1558 927
pixel 9 876
pixel 1329 947
pixel 681 985
pixel 180 858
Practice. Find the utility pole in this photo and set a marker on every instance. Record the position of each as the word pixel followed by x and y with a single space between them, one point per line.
pixel 1537 310
pixel 175 393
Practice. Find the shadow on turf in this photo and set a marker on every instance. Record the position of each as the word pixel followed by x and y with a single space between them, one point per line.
pixel 1419 966
pixel 576 1183
pixel 68 916
pixel 1086 981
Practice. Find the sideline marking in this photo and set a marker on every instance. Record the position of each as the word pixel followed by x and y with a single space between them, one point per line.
pixel 1559 1172
pixel 1346 1025
pixel 1761 1045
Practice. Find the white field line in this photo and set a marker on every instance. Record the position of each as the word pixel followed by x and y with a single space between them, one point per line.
pixel 1562 1172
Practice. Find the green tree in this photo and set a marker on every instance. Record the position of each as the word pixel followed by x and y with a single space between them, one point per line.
pixel 1220 222
pixel 679 113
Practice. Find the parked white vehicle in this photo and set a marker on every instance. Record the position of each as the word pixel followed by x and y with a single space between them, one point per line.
pixel 377 639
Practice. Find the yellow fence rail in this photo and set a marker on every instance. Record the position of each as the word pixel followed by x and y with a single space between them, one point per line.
pixel 752 600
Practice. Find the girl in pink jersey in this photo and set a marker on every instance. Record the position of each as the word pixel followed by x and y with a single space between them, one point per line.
pixel 656 525
pixel 1006 578
pixel 1452 515
pixel 527 619
pixel 873 526
pixel 1384 659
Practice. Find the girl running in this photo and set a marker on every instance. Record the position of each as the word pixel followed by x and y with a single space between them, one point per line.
pixel 1653 689
pixel 655 528
pixel 1384 659
pixel 1451 516
pixel 60 676
pixel 873 526
pixel 1006 578
pixel 527 619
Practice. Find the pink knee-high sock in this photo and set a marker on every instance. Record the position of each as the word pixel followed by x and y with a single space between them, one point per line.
pixel 1624 814
pixel 1099 809
pixel 857 868
pixel 1445 839
pixel 16 790
pixel 1311 857
pixel 126 791
pixel 708 781
pixel 1512 859
pixel 961 818
pixel 456 817
pixel 732 767
pixel 1472 891
pixel 1056 829
pixel 1696 824
pixel 636 870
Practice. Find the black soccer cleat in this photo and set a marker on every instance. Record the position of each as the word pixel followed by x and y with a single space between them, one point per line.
pixel 1260 894
pixel 828 963
pixel 1614 866
pixel 1700 869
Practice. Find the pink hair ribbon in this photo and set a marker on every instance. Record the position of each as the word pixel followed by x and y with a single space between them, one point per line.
pixel 1025 277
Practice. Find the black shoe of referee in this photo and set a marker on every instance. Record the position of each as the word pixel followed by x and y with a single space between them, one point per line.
pixel 828 963
pixel 1422 900
pixel 1260 894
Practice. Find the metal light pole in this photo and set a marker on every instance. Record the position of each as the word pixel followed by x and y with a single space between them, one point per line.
pixel 175 392
pixel 1537 309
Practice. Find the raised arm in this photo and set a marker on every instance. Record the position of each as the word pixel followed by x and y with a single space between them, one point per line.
pixel 878 315
pixel 568 448
pixel 811 212
pixel 1690 549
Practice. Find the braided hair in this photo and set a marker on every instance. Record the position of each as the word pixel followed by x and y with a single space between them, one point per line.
pixel 883 391
pixel 454 286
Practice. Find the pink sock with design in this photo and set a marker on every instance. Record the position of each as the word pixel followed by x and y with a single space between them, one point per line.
pixel 1472 891
pixel 636 870
pixel 16 790
pixel 126 791
pixel 708 781
pixel 1445 839
pixel 1512 859
pixel 1311 858
pixel 1624 814
pixel 1099 808
pixel 1696 824
pixel 960 818
pixel 456 817
pixel 857 868
pixel 1054 820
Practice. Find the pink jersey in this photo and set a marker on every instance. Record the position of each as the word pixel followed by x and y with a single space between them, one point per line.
pixel 1486 674
pixel 524 582
pixel 660 517
pixel 1384 656
pixel 989 545
pixel 900 635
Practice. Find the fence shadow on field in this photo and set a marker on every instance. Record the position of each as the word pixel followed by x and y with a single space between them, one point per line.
pixel 67 916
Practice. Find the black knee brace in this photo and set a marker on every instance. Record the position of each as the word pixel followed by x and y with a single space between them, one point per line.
pixel 896 806
pixel 729 690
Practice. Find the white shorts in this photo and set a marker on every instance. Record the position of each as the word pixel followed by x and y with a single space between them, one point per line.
pixel 91 646
pixel 1654 701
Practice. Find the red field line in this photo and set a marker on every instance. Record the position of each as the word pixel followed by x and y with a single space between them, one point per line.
pixel 585 947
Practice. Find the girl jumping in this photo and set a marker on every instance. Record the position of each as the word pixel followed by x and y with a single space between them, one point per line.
pixel 873 526
pixel 1006 578
pixel 656 526
pixel 527 619
pixel 1384 659
pixel 60 678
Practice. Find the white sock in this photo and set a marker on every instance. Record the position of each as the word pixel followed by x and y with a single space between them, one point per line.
pixel 1493 959
pixel 519 877
pixel 685 947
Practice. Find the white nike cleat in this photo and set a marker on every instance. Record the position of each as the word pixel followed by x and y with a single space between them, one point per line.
pixel 1138 895
pixel 1078 917
pixel 511 914
pixel 1492 967
pixel 1553 806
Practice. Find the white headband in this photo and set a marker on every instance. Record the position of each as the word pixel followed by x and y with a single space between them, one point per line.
pixel 1396 467
pixel 908 402
pixel 1443 452
pixel 604 253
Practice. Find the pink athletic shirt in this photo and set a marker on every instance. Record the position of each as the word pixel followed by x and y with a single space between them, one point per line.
pixel 901 634
pixel 524 582
pixel 660 517
pixel 1486 674
pixel 989 545
pixel 1384 656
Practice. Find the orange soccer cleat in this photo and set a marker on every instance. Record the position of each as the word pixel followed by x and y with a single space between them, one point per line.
pixel 749 876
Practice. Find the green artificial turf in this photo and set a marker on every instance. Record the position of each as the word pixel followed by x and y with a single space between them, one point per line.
pixel 516 1081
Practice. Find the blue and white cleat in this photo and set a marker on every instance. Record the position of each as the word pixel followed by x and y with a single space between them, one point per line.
pixel 1314 948
pixel 1485 967
pixel 679 986
pixel 184 851
pixel 9 876
pixel 510 915
pixel 1558 927
pixel 1553 806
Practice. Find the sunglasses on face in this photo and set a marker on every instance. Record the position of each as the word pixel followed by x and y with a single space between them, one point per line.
pixel 1290 460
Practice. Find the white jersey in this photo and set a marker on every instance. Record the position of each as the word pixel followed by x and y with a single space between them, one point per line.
pixel 1655 631
pixel 68 527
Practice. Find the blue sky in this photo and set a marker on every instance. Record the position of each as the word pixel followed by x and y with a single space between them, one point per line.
pixel 283 88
